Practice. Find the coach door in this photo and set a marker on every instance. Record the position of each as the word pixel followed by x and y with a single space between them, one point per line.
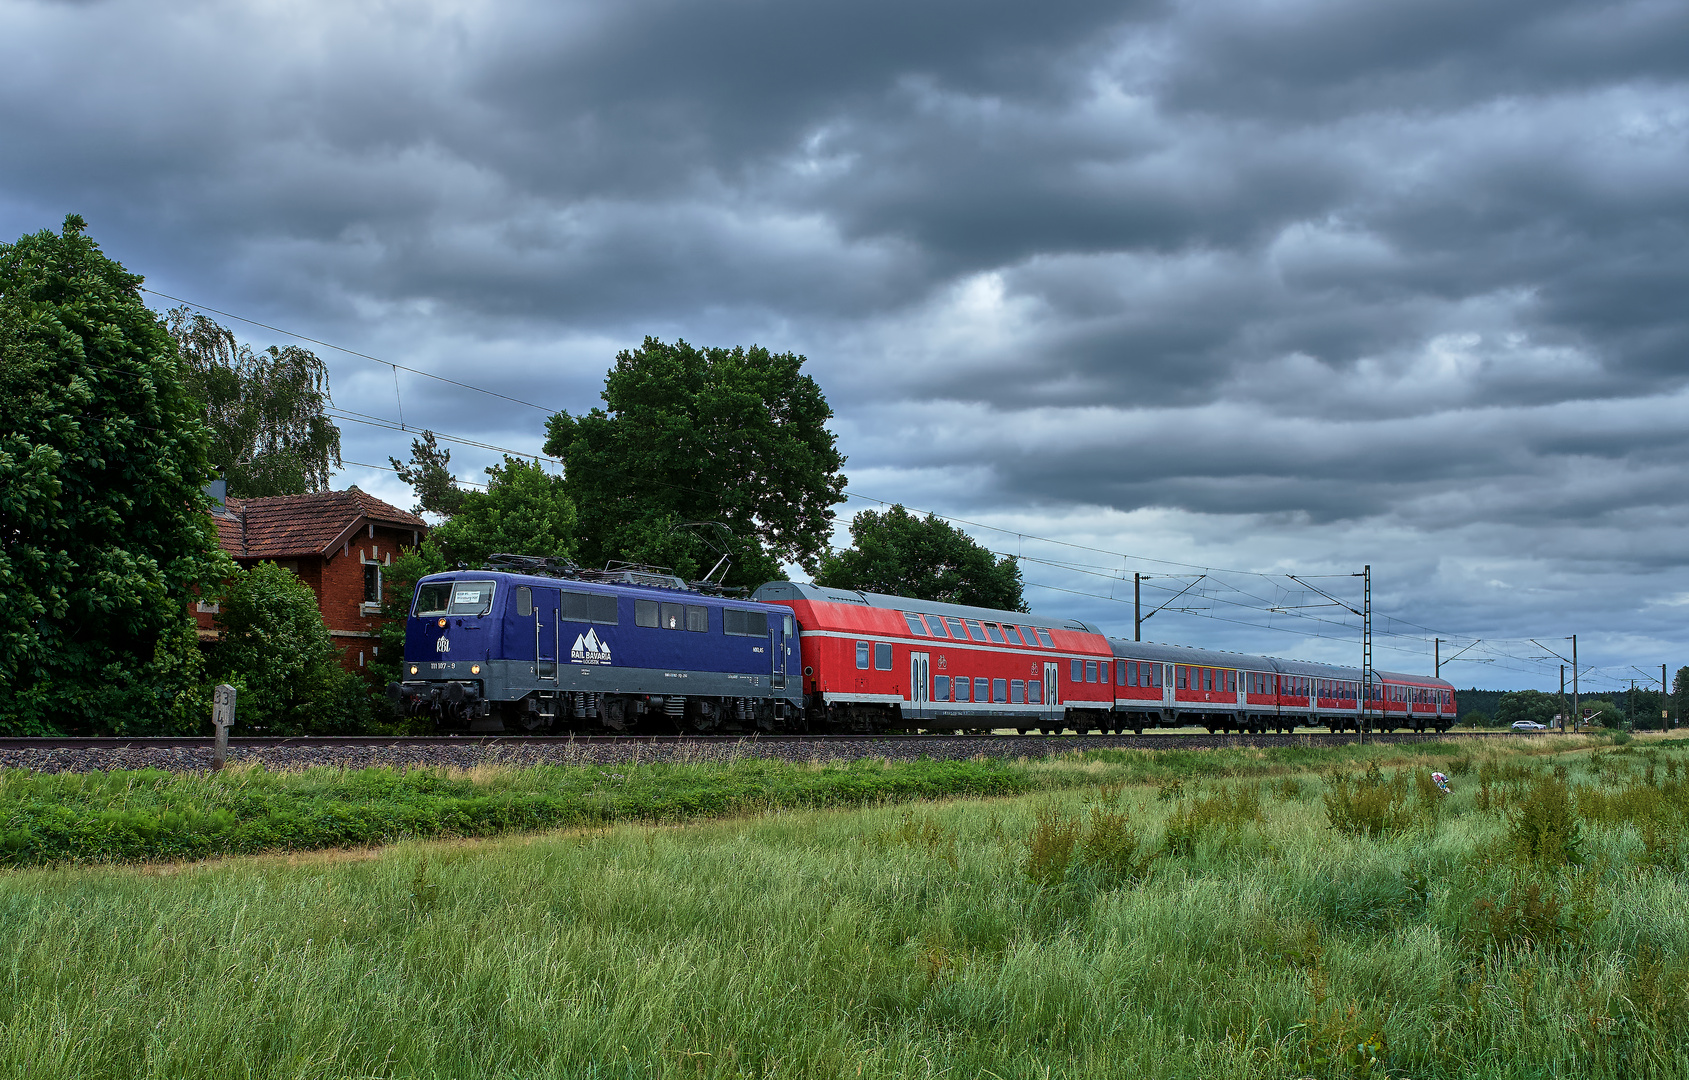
pixel 919 674
pixel 1052 692
pixel 779 638
pixel 546 631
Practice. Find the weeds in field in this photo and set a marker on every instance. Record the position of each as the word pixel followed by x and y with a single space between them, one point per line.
pixel 1372 805
pixel 1219 815
pixel 1543 829
pixel 1104 843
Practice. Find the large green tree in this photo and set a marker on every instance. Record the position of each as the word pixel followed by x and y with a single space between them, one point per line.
pixel 429 473
pixel 104 535
pixel 904 554
pixel 270 433
pixel 524 511
pixel 700 450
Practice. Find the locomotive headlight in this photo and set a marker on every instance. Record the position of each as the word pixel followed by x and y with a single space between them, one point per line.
pixel 475 669
pixel 442 622
pixel 413 669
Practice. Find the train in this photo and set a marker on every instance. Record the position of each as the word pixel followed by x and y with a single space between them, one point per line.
pixel 533 645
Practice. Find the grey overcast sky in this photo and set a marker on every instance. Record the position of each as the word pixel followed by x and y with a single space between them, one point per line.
pixel 1285 287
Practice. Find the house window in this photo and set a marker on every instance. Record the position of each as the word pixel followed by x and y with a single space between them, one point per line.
pixel 372 583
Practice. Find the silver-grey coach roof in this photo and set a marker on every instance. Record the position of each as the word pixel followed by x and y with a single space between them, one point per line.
pixel 803 590
pixel 1187 654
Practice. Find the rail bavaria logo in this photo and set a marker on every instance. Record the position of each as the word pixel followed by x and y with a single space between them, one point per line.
pixel 590 650
pixel 442 646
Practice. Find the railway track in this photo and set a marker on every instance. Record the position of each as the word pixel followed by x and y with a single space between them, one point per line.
pixel 1055 743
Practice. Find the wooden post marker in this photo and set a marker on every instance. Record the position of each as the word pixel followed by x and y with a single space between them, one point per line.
pixel 222 718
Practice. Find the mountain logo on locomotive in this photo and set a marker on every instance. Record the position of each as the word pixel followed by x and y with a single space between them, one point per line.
pixel 589 648
pixel 444 645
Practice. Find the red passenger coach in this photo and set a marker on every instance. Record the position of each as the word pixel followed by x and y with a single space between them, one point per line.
pixel 872 662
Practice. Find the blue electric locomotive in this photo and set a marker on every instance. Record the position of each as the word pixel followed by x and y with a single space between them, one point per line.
pixel 533 643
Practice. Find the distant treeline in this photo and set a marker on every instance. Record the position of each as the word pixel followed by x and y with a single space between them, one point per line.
pixel 1484 701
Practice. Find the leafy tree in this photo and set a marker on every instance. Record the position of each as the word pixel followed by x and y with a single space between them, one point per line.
pixel 276 652
pixel 104 534
pixel 524 511
pixel 1527 705
pixel 736 437
pixel 270 434
pixel 1680 696
pixel 1601 712
pixel 398 586
pixel 902 554
pixel 1475 719
pixel 429 473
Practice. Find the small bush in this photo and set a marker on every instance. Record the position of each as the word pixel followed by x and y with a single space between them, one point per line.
pixel 1544 829
pixel 1371 806
pixel 1049 848
pixel 1225 811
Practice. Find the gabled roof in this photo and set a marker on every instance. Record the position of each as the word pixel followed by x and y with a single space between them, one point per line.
pixel 293 525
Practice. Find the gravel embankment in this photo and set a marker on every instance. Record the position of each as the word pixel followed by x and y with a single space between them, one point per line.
pixel 469 753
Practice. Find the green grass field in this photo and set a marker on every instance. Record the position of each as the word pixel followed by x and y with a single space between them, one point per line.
pixel 1276 914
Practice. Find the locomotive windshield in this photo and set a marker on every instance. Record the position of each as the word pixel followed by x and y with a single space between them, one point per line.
pixel 454 598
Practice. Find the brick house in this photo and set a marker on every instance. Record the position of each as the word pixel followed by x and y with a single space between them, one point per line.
pixel 337 542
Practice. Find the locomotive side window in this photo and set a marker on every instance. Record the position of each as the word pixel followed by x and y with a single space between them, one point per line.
pixel 1017 692
pixel 698 619
pixel 525 601
pixel 744 623
pixel 916 626
pixel 861 653
pixel 600 608
pixel 882 656
pixel 645 613
pixel 433 598
pixel 674 616
pixel 1044 636
pixel 941 688
pixel 982 689
pixel 1034 692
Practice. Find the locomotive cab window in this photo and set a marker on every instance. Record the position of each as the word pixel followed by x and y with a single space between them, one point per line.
pixel 525 601
pixel 455 598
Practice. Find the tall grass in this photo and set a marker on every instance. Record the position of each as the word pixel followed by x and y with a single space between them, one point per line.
pixel 888 940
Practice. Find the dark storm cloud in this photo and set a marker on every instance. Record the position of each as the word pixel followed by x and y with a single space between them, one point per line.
pixel 1268 282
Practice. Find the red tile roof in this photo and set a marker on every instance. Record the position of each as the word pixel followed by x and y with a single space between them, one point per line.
pixel 291 525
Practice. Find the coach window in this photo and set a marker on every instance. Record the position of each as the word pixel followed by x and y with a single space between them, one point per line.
pixel 1090 671
pixel 1179 676
pixel 1231 682
pixel 1076 671
pixel 1035 692
pixel 1044 636
pixel 698 619
pixel 957 630
pixel 936 625
pixel 1102 672
pixel 882 656
pixel 961 689
pixel 916 626
pixel 1155 675
pixel 674 616
pixel 982 690
pixel 974 631
pixel 1208 678
pixel 524 601
pixel 1129 673
pixel 1011 634
pixel 645 613
pixel 941 688
pixel 1000 691
pixel 993 633
pixel 862 655
pixel 1017 692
